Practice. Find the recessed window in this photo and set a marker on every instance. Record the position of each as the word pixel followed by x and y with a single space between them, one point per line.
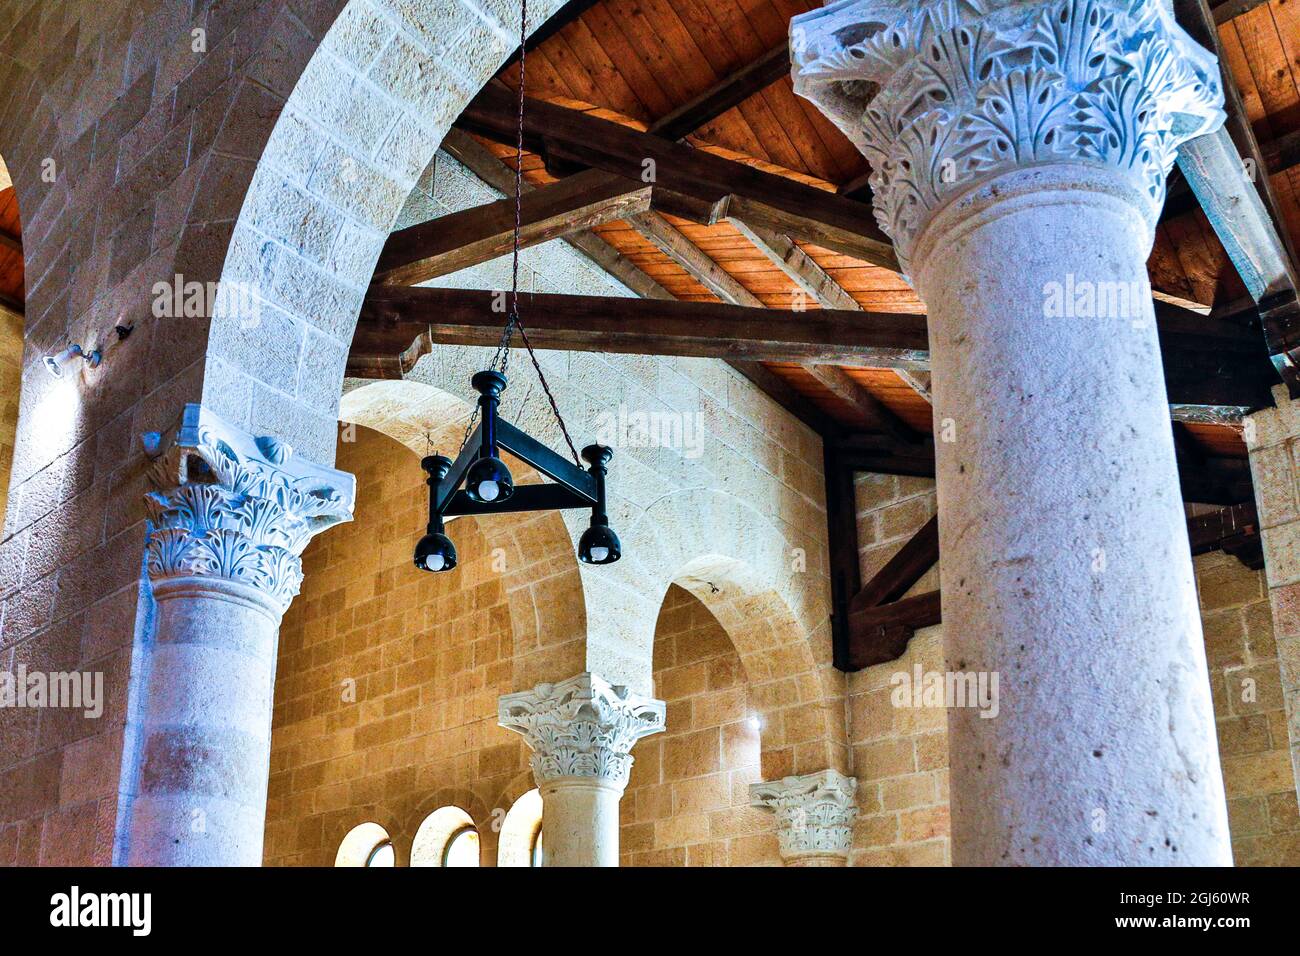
pixel 382 855
pixel 462 848
pixel 366 845
pixel 447 837
pixel 520 843
pixel 535 856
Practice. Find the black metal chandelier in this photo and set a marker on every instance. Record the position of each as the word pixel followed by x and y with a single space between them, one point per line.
pixel 489 487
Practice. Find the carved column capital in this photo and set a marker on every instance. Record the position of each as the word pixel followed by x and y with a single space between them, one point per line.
pixel 234 511
pixel 582 727
pixel 942 96
pixel 814 813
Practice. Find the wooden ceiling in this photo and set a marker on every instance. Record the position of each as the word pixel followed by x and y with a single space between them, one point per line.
pixel 637 61
pixel 12 292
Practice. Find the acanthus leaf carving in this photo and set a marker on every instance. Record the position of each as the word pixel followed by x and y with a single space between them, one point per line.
pixel 581 727
pixel 943 95
pixel 814 812
pixel 229 506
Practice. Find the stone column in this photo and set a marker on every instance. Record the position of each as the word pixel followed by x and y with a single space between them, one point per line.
pixel 1273 438
pixel 814 816
pixel 1019 154
pixel 230 516
pixel 581 732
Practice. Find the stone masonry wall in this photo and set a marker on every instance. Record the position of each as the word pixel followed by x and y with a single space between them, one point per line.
pixel 900 755
pixel 687 803
pixel 11 371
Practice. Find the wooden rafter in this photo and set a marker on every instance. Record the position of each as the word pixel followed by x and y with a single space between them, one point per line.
pixel 1207 362
pixel 469 237
pixel 709 185
pixel 1243 210
pixel 727 93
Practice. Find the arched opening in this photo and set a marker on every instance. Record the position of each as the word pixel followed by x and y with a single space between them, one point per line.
pixel 366 844
pixel 447 837
pixel 521 842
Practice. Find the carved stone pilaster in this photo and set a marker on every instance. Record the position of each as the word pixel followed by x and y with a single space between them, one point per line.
pixel 581 727
pixel 814 813
pixel 943 96
pixel 229 508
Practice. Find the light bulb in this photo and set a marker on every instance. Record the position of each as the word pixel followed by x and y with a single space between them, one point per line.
pixel 599 554
pixel 488 490
pixel 434 562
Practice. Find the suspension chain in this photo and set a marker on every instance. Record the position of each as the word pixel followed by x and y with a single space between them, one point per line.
pixel 501 360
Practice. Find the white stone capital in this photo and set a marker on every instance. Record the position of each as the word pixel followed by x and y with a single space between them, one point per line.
pixel 233 512
pixel 581 728
pixel 814 813
pixel 943 96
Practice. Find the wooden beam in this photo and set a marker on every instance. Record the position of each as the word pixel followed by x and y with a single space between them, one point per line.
pixel 491 170
pixel 672 242
pixel 1230 9
pixel 785 254
pixel 400 323
pixel 878 417
pixel 903 570
pixel 469 237
pixel 880 634
pixel 714 185
pixel 726 94
pixel 11 242
pixel 1242 209
pixel 479 160
pixel 842 550
pixel 1207 532
pixel 1206 362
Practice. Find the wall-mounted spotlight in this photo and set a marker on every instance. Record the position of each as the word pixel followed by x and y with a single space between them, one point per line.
pixel 57 363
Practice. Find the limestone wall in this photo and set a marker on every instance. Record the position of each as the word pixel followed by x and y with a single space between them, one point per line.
pixel 687 803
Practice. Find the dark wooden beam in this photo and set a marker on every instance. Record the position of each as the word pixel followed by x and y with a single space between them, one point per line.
pixel 479 160
pixel 903 570
pixel 714 187
pixel 879 630
pixel 1243 209
pixel 1207 362
pixel 400 323
pixel 1223 12
pixel 469 237
pixel 880 634
pixel 726 94
pixel 785 254
pixel 11 242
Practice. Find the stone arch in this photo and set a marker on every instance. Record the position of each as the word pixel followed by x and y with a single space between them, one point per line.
pixel 364 119
pixel 743 569
pixel 355 840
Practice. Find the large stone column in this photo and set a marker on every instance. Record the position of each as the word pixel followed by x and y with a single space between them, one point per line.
pixel 814 816
pixel 231 514
pixel 581 732
pixel 1019 154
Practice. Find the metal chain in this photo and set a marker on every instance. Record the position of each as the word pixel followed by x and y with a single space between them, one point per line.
pixel 501 360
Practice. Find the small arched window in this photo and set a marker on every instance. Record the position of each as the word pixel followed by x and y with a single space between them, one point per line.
pixel 462 849
pixel 366 845
pixel 521 832
pixel 447 837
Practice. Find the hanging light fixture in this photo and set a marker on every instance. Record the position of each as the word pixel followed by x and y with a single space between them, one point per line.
pixel 489 487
